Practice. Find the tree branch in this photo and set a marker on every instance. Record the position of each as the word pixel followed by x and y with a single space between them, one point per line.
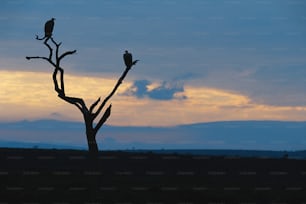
pixel 56 44
pixel 44 58
pixel 78 102
pixel 103 118
pixel 94 105
pixel 50 49
pixel 66 53
pixel 57 89
pixel 127 69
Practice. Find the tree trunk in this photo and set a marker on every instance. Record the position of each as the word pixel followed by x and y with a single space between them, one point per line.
pixel 92 144
pixel 91 139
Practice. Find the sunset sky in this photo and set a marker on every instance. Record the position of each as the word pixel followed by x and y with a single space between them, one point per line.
pixel 200 60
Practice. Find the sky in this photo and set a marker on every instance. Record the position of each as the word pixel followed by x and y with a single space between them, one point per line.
pixel 200 60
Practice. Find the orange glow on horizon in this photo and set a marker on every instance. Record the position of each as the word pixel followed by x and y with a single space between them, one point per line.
pixel 31 95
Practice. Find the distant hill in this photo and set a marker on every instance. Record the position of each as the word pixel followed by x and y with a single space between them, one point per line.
pixel 230 135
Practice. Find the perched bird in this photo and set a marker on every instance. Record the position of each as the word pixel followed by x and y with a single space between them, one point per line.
pixel 128 59
pixel 49 25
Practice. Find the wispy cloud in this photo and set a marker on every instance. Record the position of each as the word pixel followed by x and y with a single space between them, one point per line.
pixel 30 95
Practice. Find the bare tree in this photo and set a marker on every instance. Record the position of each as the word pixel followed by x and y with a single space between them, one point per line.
pixel 89 114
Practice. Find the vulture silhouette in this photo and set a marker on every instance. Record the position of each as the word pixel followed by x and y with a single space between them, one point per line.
pixel 49 25
pixel 128 59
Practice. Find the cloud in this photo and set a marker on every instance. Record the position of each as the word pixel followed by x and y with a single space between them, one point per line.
pixel 139 88
pixel 31 96
pixel 165 91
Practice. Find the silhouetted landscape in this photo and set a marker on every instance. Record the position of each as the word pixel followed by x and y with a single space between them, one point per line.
pixel 53 170
pixel 71 176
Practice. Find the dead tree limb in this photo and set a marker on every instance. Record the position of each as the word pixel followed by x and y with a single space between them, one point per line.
pixel 88 114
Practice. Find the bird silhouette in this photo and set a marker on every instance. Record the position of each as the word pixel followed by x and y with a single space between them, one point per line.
pixel 49 25
pixel 128 59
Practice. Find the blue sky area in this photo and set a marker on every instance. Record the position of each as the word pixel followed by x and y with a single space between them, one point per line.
pixel 200 60
pixel 256 48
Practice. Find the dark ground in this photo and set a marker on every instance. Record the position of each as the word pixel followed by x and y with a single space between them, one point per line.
pixel 67 176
